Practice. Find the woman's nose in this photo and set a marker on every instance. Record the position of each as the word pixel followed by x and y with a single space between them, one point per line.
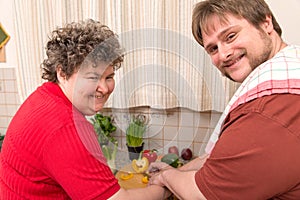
pixel 102 87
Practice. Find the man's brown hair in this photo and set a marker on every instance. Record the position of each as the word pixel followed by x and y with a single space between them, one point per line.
pixel 254 11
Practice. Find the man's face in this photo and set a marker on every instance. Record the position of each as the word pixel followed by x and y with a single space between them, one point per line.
pixel 236 47
pixel 90 87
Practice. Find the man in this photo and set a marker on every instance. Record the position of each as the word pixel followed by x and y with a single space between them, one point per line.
pixel 253 152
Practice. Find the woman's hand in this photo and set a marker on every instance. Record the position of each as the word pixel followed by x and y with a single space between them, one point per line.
pixel 155 169
pixel 156 179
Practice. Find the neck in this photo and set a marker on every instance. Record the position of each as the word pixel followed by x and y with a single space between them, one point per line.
pixel 278 43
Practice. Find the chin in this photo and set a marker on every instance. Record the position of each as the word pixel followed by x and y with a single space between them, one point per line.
pixel 99 108
pixel 90 114
pixel 236 77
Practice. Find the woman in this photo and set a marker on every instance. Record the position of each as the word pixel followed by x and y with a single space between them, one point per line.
pixel 50 149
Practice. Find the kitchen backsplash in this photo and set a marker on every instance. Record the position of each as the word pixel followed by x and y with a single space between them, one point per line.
pixel 9 98
pixel 180 127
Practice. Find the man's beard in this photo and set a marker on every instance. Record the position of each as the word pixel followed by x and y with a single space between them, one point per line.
pixel 254 62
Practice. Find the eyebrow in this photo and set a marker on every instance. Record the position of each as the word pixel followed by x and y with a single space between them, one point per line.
pixel 92 73
pixel 99 75
pixel 113 73
pixel 220 35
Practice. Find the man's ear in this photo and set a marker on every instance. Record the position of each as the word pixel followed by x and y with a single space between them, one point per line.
pixel 268 24
pixel 61 76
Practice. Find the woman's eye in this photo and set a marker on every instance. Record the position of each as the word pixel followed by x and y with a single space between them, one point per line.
pixel 93 78
pixel 109 77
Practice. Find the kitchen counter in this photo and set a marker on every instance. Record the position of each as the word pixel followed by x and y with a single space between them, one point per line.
pixel 134 182
pixel 124 166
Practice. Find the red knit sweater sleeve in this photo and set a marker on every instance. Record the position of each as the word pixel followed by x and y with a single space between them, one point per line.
pixel 79 168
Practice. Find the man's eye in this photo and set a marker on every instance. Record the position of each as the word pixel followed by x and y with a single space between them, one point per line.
pixel 212 50
pixel 230 37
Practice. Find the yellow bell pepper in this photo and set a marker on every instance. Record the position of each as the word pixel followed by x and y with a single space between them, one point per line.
pixel 140 165
pixel 126 176
pixel 145 179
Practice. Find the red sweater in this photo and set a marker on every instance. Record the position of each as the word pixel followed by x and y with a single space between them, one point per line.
pixel 50 152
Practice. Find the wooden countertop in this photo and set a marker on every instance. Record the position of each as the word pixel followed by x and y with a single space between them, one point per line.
pixel 134 182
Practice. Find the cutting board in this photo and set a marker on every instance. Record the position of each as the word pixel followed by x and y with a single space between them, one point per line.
pixel 134 182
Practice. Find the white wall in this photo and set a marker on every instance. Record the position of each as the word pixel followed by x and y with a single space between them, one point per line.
pixel 287 14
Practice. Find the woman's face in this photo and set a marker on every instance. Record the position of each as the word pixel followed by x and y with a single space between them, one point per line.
pixel 90 87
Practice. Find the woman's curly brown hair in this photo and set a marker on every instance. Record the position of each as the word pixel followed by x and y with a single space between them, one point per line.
pixel 69 46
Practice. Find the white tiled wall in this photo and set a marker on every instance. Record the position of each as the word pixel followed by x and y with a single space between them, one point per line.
pixel 9 99
pixel 179 127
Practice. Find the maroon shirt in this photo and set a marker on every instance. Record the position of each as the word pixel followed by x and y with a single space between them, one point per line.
pixel 258 153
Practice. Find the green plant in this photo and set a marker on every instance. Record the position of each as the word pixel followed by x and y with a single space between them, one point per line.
pixel 104 128
pixel 1 140
pixel 110 155
pixel 2 137
pixel 135 130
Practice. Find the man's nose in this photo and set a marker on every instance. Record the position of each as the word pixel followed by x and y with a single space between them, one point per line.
pixel 225 52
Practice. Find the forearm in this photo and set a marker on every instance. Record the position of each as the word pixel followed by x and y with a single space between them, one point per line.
pixel 195 164
pixel 182 184
pixel 152 192
pixel 149 193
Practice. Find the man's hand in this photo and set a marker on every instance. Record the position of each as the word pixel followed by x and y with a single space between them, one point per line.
pixel 157 167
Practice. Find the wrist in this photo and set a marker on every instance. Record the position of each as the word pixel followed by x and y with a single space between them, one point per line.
pixel 165 174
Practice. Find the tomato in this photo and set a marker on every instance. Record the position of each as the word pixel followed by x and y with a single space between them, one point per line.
pixel 151 155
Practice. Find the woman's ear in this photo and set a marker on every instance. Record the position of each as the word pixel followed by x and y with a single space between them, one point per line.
pixel 61 76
